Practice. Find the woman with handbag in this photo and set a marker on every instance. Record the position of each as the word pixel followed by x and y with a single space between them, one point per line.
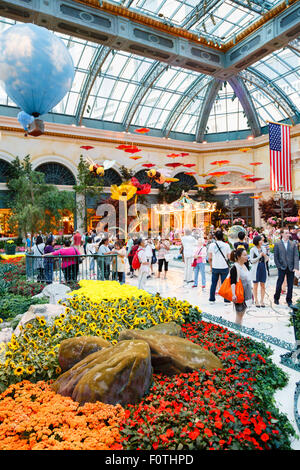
pixel 162 256
pixel 199 263
pixel 38 251
pixel 239 272
pixel 259 272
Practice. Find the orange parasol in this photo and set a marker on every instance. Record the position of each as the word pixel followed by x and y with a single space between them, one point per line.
pixel 171 180
pixel 173 155
pixel 220 162
pixel 205 185
pixel 247 176
pixel 203 174
pixel 245 149
pixel 136 157
pixel 256 163
pixel 142 130
pixel 218 173
pixel 255 197
pixel 190 172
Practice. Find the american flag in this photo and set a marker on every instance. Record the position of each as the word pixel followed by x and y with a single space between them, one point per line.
pixel 280 157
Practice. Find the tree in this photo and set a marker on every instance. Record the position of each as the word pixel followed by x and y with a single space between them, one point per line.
pixel 271 208
pixel 88 185
pixel 36 205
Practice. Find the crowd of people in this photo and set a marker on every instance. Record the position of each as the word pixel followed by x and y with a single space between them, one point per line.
pixel 246 262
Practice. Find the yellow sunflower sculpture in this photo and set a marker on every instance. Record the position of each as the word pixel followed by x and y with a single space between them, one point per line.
pixel 125 190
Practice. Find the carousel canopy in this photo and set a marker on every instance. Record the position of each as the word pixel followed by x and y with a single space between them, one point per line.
pixel 185 203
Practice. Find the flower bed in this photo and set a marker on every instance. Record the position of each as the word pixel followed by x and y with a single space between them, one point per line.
pixel 33 417
pixel 33 355
pixel 98 291
pixel 232 408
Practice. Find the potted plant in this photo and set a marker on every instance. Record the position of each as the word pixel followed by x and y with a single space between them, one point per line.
pixel 10 247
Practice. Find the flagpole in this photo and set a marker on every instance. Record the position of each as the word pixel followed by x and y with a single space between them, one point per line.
pixel 279 123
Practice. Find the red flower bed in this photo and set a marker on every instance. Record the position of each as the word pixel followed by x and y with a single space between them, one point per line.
pixel 227 409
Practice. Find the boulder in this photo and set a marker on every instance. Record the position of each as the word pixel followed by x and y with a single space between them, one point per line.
pixel 5 335
pixel 118 374
pixel 48 311
pixel 54 292
pixel 73 350
pixel 171 329
pixel 173 355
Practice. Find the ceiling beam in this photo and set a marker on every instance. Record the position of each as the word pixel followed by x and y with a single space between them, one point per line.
pixel 209 99
pixel 244 97
pixel 122 29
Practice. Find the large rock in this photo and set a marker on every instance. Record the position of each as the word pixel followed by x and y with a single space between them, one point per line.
pixel 119 374
pixel 5 335
pixel 173 355
pixel 171 329
pixel 48 311
pixel 75 349
pixel 54 292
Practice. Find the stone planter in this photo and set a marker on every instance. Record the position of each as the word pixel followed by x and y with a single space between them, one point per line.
pixel 10 249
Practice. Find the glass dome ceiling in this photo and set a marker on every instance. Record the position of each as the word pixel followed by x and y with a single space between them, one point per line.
pixel 174 102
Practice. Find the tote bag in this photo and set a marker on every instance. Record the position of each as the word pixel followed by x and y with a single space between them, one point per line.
pixel 225 290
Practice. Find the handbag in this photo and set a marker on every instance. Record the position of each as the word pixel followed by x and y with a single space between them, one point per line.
pixel 225 290
pixel 78 258
pixel 194 263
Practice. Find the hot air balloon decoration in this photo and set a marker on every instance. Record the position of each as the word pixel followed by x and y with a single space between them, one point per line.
pixel 37 71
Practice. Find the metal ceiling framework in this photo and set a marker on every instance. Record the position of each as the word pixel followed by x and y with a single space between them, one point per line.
pixel 114 32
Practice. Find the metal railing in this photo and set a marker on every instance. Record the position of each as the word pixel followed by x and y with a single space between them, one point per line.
pixel 68 269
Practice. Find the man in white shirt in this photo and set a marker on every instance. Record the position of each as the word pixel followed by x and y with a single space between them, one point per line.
pixel 144 269
pixel 218 256
pixel 189 244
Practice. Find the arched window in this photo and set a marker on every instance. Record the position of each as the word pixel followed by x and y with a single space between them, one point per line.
pixel 5 171
pixel 111 176
pixel 56 173
pixel 187 180
pixel 143 179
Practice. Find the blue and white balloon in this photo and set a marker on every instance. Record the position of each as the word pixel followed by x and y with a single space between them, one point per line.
pixel 36 68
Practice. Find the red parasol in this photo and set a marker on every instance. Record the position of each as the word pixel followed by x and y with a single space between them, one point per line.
pixel 142 130
pixel 189 165
pixel 237 192
pixel 148 165
pixel 132 150
pixel 253 180
pixel 183 154
pixel 225 182
pixel 173 155
pixel 256 163
pixel 247 176
pixel 87 147
pixel 173 165
pixel 190 172
pixel 122 147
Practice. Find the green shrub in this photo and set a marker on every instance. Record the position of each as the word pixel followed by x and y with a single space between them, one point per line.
pixel 12 305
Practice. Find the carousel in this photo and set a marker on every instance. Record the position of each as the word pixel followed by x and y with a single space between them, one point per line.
pixel 185 212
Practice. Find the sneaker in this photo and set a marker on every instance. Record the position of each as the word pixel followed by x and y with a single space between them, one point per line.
pixel 131 275
pixel 276 302
pixel 203 287
pixel 194 286
pixel 211 302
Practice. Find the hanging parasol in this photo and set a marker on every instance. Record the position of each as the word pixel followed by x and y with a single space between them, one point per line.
pixel 218 173
pixel 148 165
pixel 253 180
pixel 122 147
pixel 255 197
pixel 220 162
pixel 87 147
pixel 132 149
pixel 137 157
pixel 189 165
pixel 173 165
pixel 190 172
pixel 173 155
pixel 225 182
pixel 171 180
pixel 247 176
pixel 203 174
pixel 245 149
pixel 142 130
pixel 183 154
pixel 256 163
pixel 237 192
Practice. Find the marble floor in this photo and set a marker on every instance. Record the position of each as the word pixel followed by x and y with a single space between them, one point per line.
pixel 272 320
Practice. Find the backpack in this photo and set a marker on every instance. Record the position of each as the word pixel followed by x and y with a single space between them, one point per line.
pixel 136 264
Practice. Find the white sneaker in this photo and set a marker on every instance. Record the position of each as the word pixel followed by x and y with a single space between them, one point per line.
pixel 211 302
